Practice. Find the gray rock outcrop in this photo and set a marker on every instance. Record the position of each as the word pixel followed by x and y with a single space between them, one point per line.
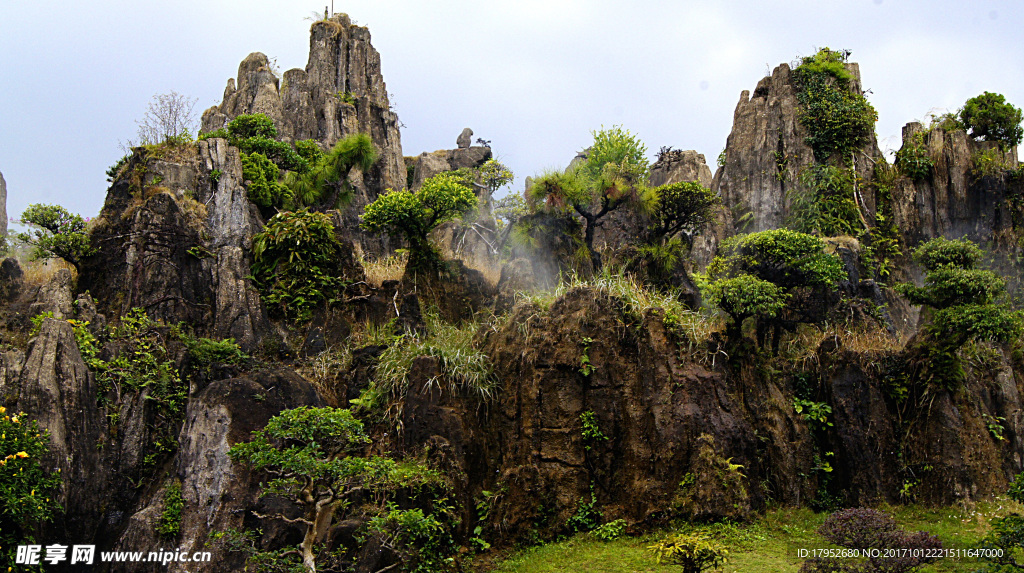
pixel 465 139
pixel 341 92
pixel 3 206
pixel 765 152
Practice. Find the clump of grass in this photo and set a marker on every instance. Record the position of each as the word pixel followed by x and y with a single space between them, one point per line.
pixel 462 364
pixel 388 268
pixel 693 327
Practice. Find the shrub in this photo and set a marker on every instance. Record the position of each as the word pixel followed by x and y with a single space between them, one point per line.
pixel 871 529
pixel 56 232
pixel 836 119
pixel 824 202
pixel 26 489
pixel 746 295
pixel 680 208
pixel 695 551
pixel 610 531
pixel 252 125
pixel 297 263
pixel 325 183
pixel 262 188
pixel 990 117
pixel 613 175
pixel 169 525
pixel 967 303
pixel 780 256
pixel 913 158
pixel 413 215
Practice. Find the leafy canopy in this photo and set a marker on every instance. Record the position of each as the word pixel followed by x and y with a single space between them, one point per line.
pixel 680 207
pixel 314 458
pixel 56 232
pixel 990 117
pixel 442 198
pixel 780 256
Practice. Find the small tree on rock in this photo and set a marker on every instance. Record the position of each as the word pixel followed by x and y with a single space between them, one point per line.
pixel 413 215
pixel 614 174
pixel 990 117
pixel 56 232
pixel 313 458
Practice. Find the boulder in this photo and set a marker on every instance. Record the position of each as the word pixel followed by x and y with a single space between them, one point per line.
pixel 465 139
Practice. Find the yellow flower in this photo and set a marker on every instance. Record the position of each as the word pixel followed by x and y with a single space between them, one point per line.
pixel 2 409
pixel 15 420
pixel 22 454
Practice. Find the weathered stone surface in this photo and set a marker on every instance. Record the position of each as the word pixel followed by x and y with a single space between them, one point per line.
pixel 951 201
pixel 57 389
pixel 55 295
pixel 12 279
pixel 3 206
pixel 220 495
pixel 341 92
pixel 766 152
pixel 465 139
pixel 238 311
pixel 232 219
pixel 429 164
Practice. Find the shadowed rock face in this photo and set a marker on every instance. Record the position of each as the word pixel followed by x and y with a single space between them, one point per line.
pixel 340 93
pixel 766 152
pixel 3 206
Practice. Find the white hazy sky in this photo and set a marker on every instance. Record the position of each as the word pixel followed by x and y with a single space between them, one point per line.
pixel 533 76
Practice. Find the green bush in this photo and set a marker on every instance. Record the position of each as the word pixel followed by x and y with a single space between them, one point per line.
pixel 169 525
pixel 614 174
pixel 780 256
pixel 413 215
pixel 56 232
pixel 823 203
pixel 695 551
pixel 968 305
pixel 324 184
pixel 746 295
pixel 913 158
pixel 297 263
pixel 990 117
pixel 252 125
pixel 26 488
pixel 836 119
pixel 262 188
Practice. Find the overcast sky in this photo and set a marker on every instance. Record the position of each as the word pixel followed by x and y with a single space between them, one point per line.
pixel 533 76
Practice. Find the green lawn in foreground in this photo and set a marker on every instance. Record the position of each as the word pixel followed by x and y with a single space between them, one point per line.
pixel 768 545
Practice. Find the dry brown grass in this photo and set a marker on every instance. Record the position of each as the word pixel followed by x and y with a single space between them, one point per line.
pixel 37 273
pixel 388 268
pixel 801 347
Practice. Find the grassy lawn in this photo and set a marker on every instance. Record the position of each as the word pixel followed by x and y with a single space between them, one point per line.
pixel 767 545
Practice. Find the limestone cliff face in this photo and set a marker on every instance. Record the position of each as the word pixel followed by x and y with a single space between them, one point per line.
pixel 341 92
pixel 3 206
pixel 765 152
pixel 953 200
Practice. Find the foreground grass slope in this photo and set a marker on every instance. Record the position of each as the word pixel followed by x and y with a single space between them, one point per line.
pixel 768 545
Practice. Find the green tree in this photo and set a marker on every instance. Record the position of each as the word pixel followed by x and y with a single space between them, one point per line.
pixel 56 232
pixel 314 457
pixel 787 259
pixel 967 304
pixel 403 213
pixel 614 174
pixel 990 117
pixel 26 489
